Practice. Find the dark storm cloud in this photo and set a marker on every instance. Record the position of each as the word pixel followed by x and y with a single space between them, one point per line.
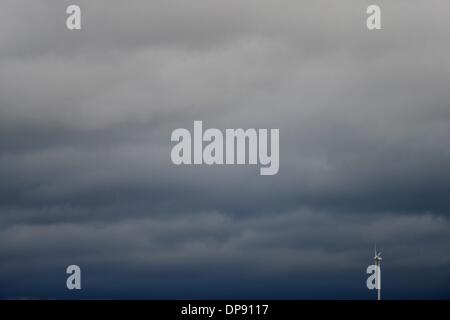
pixel 211 245
pixel 85 124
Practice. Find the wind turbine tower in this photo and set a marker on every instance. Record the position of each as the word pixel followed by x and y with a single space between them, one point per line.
pixel 377 259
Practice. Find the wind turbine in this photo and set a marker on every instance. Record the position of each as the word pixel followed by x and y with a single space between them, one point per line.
pixel 377 258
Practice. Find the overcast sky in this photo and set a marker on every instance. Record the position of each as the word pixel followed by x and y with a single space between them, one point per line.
pixel 86 176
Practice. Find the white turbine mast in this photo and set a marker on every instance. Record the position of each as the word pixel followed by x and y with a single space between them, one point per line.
pixel 377 258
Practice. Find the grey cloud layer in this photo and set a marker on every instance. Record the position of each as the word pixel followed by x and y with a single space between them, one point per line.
pixel 86 117
pixel 210 246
